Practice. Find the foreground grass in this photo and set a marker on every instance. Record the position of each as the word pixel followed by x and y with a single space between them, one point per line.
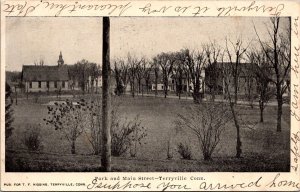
pixel 23 161
pixel 263 148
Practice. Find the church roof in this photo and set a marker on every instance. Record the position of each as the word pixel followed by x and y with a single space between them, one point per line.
pixel 45 73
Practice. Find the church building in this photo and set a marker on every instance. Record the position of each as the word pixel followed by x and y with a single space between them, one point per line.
pixel 43 78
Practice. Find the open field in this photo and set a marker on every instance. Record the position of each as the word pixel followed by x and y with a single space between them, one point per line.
pixel 263 148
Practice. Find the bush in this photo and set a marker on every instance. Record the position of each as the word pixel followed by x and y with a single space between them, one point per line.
pixel 184 150
pixel 207 122
pixel 69 118
pixel 33 138
pixel 8 112
pixel 126 135
pixel 92 123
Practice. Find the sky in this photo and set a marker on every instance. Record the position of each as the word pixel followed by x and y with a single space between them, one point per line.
pixel 30 39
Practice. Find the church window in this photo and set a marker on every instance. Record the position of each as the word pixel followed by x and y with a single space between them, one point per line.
pixel 63 84
pixel 30 84
pixel 55 84
pixel 40 84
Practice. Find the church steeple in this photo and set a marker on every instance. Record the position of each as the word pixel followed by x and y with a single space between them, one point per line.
pixel 60 59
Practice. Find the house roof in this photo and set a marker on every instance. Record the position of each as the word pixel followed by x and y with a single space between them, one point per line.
pixel 244 69
pixel 45 73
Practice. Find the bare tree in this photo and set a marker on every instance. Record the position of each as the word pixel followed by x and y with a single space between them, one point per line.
pixel 85 73
pixel 166 62
pixel 262 75
pixel 277 52
pixel 140 71
pixel 133 64
pixel 117 74
pixel 186 73
pixel 41 62
pixel 178 71
pixel 72 71
pixel 80 72
pixel 156 73
pixel 94 73
pixel 195 62
pixel 227 73
pixel 212 51
pixel 147 74
pixel 123 69
pixel 239 50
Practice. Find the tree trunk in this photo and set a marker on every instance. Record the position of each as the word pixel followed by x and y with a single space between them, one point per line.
pixel 97 85
pixel 106 122
pixel 236 123
pixel 238 146
pixel 213 96
pixel 92 86
pixel 235 90
pixel 156 92
pixel 139 84
pixel 98 140
pixel 236 80
pixel 73 147
pixel 132 89
pixel 147 87
pixel 197 91
pixel 207 157
pixel 279 113
pixel 238 137
pixel 166 86
pixel 261 107
pixel 180 87
pixel 214 87
pixel 188 84
pixel 223 88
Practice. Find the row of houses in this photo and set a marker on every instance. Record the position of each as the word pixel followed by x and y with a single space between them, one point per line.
pixel 42 78
pixel 245 77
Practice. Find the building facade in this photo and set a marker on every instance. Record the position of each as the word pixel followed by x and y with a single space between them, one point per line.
pixel 43 78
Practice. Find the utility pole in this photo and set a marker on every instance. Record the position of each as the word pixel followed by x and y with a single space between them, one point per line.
pixel 16 95
pixel 106 99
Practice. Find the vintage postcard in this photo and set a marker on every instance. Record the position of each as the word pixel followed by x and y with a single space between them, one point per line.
pixel 150 95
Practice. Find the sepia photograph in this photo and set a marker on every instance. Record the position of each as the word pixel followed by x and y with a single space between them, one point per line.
pixel 147 94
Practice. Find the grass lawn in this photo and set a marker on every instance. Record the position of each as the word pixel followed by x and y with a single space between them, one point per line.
pixel 263 148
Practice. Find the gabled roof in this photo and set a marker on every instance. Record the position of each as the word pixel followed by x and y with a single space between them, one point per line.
pixel 45 73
